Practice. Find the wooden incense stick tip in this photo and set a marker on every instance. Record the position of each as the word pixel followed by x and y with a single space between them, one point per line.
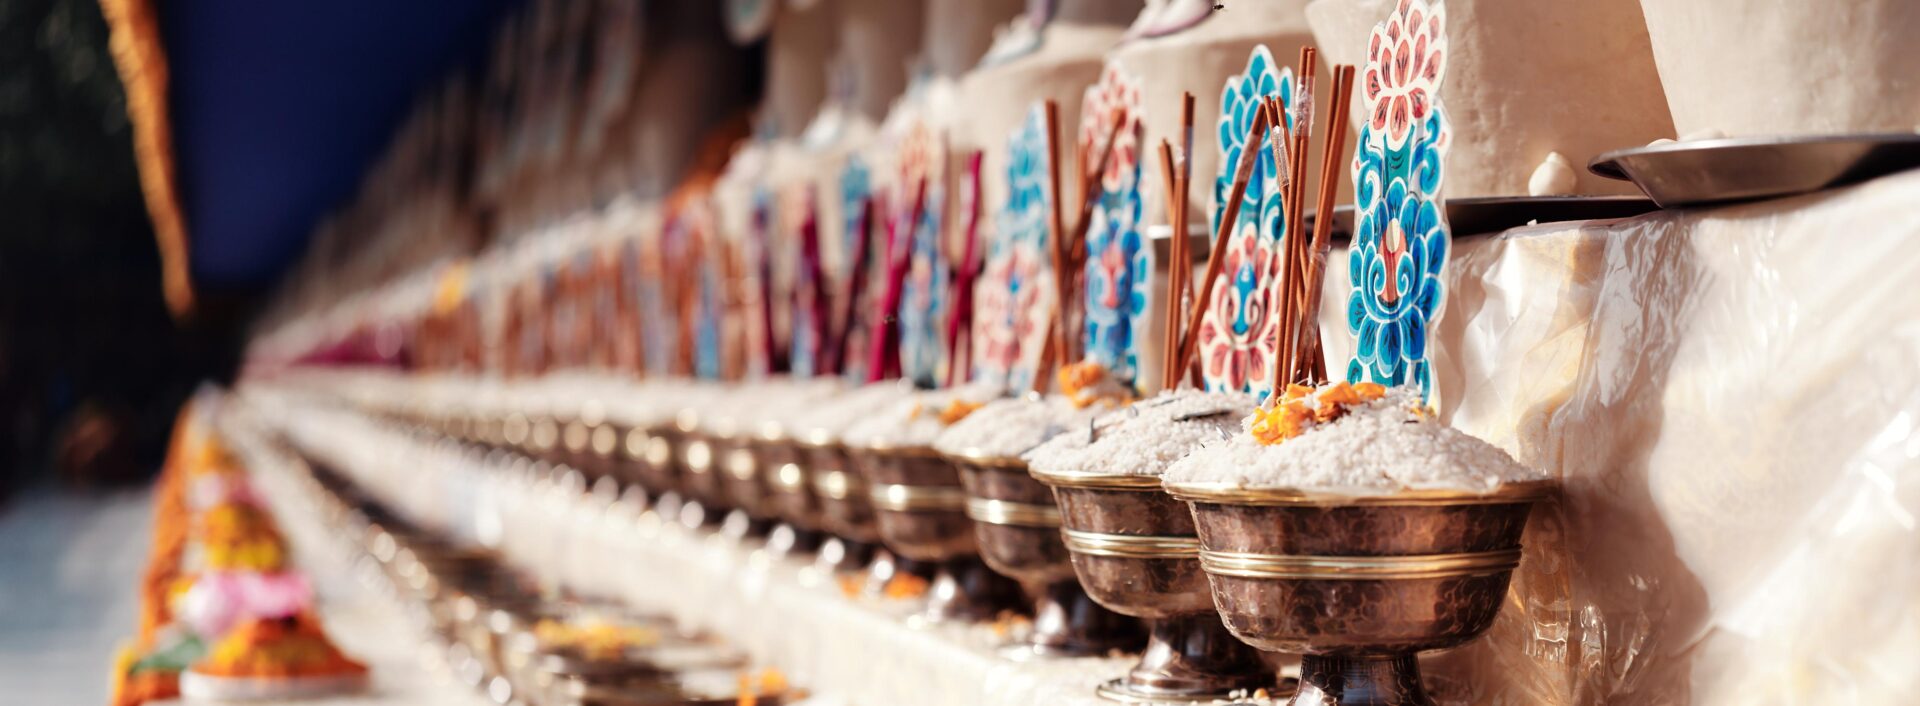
pixel 1229 215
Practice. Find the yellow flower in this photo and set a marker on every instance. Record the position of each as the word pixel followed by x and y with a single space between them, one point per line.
pixel 1280 422
pixel 956 411
pixel 1301 407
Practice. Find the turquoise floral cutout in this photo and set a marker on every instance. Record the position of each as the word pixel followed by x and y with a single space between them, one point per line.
pixel 1119 269
pixel 1238 335
pixel 1401 237
pixel 766 257
pixel 1013 301
pixel 804 346
pixel 924 302
pixel 657 319
pixel 925 296
pixel 856 184
pixel 707 337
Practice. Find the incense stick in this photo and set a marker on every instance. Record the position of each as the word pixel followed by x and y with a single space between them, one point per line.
pixel 885 359
pixel 1238 191
pixel 1279 291
pixel 1323 222
pixel 1056 225
pixel 856 285
pixel 1169 341
pixel 1185 259
pixel 1076 251
pixel 960 321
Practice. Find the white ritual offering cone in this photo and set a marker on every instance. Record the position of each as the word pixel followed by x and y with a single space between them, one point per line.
pixel 1173 53
pixel 1024 69
pixel 1786 67
pixel 1525 79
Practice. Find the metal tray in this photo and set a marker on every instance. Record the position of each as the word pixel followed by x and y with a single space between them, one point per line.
pixel 1701 172
pixel 1466 217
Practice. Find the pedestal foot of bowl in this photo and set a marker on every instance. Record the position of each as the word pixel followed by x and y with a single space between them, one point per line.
pixel 888 566
pixel 1191 659
pixel 1067 623
pixel 740 525
pixel 1373 680
pixel 694 514
pixel 787 540
pixel 966 590
pixel 837 555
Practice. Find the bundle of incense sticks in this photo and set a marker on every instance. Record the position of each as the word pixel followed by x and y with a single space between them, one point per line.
pixel 818 304
pixel 1230 213
pixel 884 358
pixel 856 285
pixel 1302 269
pixel 1303 264
pixel 1177 173
pixel 965 271
pixel 1069 251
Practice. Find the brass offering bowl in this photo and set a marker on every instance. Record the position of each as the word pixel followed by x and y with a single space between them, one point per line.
pixel 574 447
pixel 1136 552
pixel 598 442
pixel 845 509
pixel 1359 585
pixel 742 481
pixel 1017 525
pixel 784 468
pixel 648 457
pixel 699 459
pixel 543 439
pixel 920 509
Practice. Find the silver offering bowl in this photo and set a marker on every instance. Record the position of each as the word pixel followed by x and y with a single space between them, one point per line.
pixel 845 509
pixel 648 457
pixel 921 511
pixel 1017 525
pixel 1135 551
pixel 785 470
pixel 592 443
pixel 700 460
pixel 1359 585
pixel 742 480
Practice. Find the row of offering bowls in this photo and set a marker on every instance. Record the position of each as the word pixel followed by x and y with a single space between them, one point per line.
pixel 497 627
pixel 1357 585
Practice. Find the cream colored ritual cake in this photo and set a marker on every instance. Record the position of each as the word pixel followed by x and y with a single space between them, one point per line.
pixel 956 33
pixel 688 68
pixel 1180 46
pixel 878 41
pixel 1781 67
pixel 800 42
pixel 1046 54
pixel 1525 79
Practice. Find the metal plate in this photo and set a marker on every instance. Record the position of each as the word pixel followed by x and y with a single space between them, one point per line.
pixel 1700 172
pixel 1493 214
pixel 1483 215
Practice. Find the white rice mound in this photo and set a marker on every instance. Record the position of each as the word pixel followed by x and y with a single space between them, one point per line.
pixel 831 418
pixel 776 404
pixel 1377 448
pixel 1009 427
pixel 912 422
pixel 1145 438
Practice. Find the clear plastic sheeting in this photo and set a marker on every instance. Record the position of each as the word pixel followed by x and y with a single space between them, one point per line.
pixel 1731 397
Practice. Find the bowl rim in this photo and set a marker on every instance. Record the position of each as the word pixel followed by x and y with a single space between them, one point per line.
pixel 882 447
pixel 1094 479
pixel 973 456
pixel 1224 493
